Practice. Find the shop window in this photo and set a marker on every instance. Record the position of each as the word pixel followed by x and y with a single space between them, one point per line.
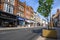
pixel 11 9
pixel 18 13
pixel 5 7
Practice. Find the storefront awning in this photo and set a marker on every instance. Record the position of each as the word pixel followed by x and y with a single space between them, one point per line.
pixel 29 21
pixel 20 18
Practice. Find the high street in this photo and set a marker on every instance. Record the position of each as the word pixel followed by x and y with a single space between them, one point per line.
pixel 20 34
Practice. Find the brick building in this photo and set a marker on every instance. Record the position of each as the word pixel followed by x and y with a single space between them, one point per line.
pixel 7 16
pixel 29 12
pixel 56 19
pixel 7 6
pixel 15 7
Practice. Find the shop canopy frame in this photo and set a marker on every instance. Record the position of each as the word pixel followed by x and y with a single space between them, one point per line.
pixel 29 21
pixel 20 18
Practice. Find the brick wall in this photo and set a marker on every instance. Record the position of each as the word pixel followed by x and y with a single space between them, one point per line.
pixel 16 8
pixel 1 5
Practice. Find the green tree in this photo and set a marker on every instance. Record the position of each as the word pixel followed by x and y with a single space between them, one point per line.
pixel 45 7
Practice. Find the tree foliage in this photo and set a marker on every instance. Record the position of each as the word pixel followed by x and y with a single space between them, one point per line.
pixel 45 7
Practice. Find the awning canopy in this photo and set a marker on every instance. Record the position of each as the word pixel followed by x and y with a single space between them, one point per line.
pixel 20 18
pixel 29 21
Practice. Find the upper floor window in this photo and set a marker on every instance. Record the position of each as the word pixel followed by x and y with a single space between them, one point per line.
pixel 6 0
pixel 5 7
pixel 8 8
pixel 12 2
pixel 21 7
pixel 11 9
pixel 27 11
pixel 21 14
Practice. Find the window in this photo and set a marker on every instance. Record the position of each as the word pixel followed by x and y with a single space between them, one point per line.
pixel 0 1
pixel 21 7
pixel 27 11
pixel 11 9
pixel 5 7
pixel 18 13
pixel 6 0
pixel 8 8
pixel 21 14
pixel 12 2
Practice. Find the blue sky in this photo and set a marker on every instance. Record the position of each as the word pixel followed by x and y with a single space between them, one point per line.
pixel 34 4
pixel 55 6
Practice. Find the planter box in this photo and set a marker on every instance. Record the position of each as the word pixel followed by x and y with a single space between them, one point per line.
pixel 49 33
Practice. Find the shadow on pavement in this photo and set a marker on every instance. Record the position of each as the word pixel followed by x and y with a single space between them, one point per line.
pixel 37 31
pixel 50 38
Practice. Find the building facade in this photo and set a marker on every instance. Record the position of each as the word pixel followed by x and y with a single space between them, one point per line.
pixel 10 6
pixel 17 8
pixel 56 19
pixel 37 19
pixel 7 17
pixel 29 16
pixel 29 12
pixel 7 6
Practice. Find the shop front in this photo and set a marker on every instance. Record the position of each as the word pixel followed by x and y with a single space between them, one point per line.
pixel 21 21
pixel 29 23
pixel 7 20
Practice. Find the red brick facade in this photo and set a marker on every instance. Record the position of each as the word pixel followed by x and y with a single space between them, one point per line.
pixel 27 11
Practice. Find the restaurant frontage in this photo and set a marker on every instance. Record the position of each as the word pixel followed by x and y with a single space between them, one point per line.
pixel 7 20
pixel 10 20
pixel 24 22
